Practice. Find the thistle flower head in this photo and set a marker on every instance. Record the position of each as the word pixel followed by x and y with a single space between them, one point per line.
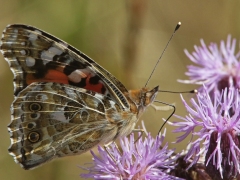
pixel 216 67
pixel 218 137
pixel 145 159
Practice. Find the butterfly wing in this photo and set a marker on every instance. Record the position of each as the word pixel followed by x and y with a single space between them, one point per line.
pixel 65 103
pixel 36 56
pixel 51 120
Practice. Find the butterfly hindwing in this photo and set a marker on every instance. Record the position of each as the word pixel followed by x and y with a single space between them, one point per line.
pixel 52 120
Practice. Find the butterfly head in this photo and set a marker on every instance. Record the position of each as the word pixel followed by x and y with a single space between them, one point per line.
pixel 143 98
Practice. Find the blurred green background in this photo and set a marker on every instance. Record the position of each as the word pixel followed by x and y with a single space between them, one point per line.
pixel 126 37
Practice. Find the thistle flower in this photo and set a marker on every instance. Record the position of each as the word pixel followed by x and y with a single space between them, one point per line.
pixel 218 138
pixel 145 159
pixel 215 67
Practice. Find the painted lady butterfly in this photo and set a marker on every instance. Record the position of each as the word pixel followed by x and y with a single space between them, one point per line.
pixel 65 103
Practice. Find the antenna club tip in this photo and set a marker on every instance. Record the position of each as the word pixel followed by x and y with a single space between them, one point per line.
pixel 178 26
pixel 195 91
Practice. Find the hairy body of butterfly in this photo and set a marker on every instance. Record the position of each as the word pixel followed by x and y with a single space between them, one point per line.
pixel 65 103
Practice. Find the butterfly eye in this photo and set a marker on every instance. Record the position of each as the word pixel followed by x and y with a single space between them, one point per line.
pixel 33 137
pixel 35 107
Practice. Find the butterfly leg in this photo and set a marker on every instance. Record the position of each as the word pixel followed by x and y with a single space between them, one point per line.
pixel 106 149
pixel 170 107
pixel 141 133
pixel 163 108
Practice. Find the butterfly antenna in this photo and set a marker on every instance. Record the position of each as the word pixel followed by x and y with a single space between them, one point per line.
pixel 194 91
pixel 176 28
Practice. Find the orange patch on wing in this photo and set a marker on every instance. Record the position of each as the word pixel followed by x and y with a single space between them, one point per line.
pixel 51 76
pixel 93 87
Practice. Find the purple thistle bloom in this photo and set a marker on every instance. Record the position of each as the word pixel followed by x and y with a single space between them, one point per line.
pixel 145 159
pixel 215 67
pixel 218 137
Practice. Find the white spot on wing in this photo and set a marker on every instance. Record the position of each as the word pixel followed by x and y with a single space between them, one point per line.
pixel 76 76
pixel 50 53
pixel 6 28
pixel 23 52
pixel 98 96
pixel 38 32
pixel 58 116
pixel 46 55
pixel 12 61
pixel 13 37
pixel 12 154
pixel 42 97
pixel 112 103
pixel 30 61
pixel 10 43
pixel 63 44
pixel 55 50
pixel 11 134
pixel 32 37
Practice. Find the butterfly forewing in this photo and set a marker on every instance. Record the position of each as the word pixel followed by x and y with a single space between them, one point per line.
pixel 36 56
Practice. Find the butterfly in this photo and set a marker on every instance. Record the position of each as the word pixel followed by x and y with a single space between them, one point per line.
pixel 64 102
